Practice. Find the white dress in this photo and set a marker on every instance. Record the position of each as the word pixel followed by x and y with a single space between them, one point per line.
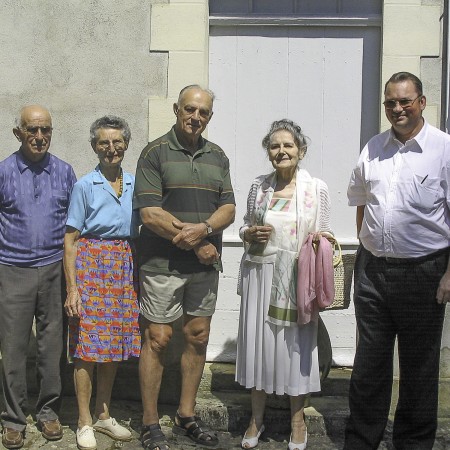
pixel 276 359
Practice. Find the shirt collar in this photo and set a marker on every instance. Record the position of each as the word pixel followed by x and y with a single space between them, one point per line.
pixel 416 144
pixel 421 136
pixel 99 178
pixel 24 164
pixel 174 144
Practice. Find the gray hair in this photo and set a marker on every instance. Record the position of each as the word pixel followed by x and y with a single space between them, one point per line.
pixel 195 86
pixel 405 76
pixel 301 141
pixel 18 121
pixel 110 122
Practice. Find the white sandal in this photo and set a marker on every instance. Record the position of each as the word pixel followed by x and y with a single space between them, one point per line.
pixel 253 441
pixel 302 446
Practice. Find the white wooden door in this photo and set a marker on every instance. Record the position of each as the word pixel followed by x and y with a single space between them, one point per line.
pixel 311 75
pixel 325 78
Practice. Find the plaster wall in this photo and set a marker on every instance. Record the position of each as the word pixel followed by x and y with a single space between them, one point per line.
pixel 187 47
pixel 82 59
pixel 420 53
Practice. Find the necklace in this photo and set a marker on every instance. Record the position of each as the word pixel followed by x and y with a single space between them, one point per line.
pixel 119 194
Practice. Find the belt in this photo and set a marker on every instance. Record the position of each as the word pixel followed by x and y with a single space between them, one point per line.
pixel 418 260
pixel 98 238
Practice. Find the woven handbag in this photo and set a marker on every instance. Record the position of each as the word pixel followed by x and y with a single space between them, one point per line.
pixel 343 274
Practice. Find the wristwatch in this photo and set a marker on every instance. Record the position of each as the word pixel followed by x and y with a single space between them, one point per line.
pixel 209 229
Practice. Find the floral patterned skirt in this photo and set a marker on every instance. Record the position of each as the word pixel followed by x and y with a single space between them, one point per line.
pixel 108 328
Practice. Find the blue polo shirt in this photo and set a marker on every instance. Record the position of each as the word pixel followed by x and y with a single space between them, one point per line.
pixel 34 198
pixel 95 209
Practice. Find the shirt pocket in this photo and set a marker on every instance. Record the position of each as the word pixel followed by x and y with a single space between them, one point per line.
pixel 60 198
pixel 375 189
pixel 424 192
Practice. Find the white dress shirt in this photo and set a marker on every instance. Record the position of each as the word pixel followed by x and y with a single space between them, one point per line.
pixel 406 192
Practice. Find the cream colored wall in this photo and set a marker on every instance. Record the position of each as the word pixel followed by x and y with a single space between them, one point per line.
pixel 411 31
pixel 180 28
pixel 82 60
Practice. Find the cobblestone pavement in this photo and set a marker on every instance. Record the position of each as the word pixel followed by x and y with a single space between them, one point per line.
pixel 128 413
pixel 34 441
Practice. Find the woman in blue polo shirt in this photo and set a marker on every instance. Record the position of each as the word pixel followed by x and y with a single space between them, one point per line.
pixel 101 285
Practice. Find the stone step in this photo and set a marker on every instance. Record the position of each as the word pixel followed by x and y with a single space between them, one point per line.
pixel 219 378
pixel 231 411
pixel 227 407
pixel 325 425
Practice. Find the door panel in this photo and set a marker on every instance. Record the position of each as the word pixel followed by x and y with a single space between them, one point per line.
pixel 312 75
pixel 327 80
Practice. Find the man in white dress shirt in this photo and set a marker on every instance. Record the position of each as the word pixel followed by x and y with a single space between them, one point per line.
pixel 402 280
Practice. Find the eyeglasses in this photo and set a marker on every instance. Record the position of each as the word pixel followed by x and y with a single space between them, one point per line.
pixel 33 131
pixel 117 145
pixel 404 103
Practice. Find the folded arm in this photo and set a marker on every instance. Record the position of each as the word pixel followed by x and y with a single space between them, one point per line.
pixel 189 236
pixel 192 234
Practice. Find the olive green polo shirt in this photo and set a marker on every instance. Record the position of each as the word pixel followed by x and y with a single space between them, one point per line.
pixel 190 187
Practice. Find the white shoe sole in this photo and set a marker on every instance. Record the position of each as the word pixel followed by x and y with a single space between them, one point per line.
pixel 80 447
pixel 111 434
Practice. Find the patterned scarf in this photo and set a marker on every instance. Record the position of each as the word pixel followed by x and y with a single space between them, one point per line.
pixel 283 299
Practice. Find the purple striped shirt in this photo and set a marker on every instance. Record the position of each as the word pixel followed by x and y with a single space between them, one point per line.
pixel 34 199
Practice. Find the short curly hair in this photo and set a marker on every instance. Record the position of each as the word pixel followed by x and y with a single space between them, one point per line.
pixel 110 122
pixel 301 141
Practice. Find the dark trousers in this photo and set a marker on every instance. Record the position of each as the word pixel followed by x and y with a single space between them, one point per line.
pixel 392 300
pixel 25 294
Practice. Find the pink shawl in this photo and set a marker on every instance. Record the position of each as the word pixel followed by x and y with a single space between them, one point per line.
pixel 315 280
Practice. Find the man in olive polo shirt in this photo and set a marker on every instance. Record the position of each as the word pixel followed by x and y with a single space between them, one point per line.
pixel 184 194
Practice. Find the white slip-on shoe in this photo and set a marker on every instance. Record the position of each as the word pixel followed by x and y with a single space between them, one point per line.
pixel 86 439
pixel 111 428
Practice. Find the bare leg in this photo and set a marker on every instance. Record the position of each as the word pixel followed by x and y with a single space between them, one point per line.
pixel 106 374
pixel 155 337
pixel 258 406
pixel 196 335
pixel 298 425
pixel 82 377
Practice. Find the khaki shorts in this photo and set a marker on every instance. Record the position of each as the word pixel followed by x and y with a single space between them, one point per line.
pixel 164 298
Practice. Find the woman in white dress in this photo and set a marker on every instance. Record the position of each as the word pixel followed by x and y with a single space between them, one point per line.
pixel 274 353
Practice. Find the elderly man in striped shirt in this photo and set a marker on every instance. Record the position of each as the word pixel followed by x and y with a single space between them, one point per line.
pixel 184 194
